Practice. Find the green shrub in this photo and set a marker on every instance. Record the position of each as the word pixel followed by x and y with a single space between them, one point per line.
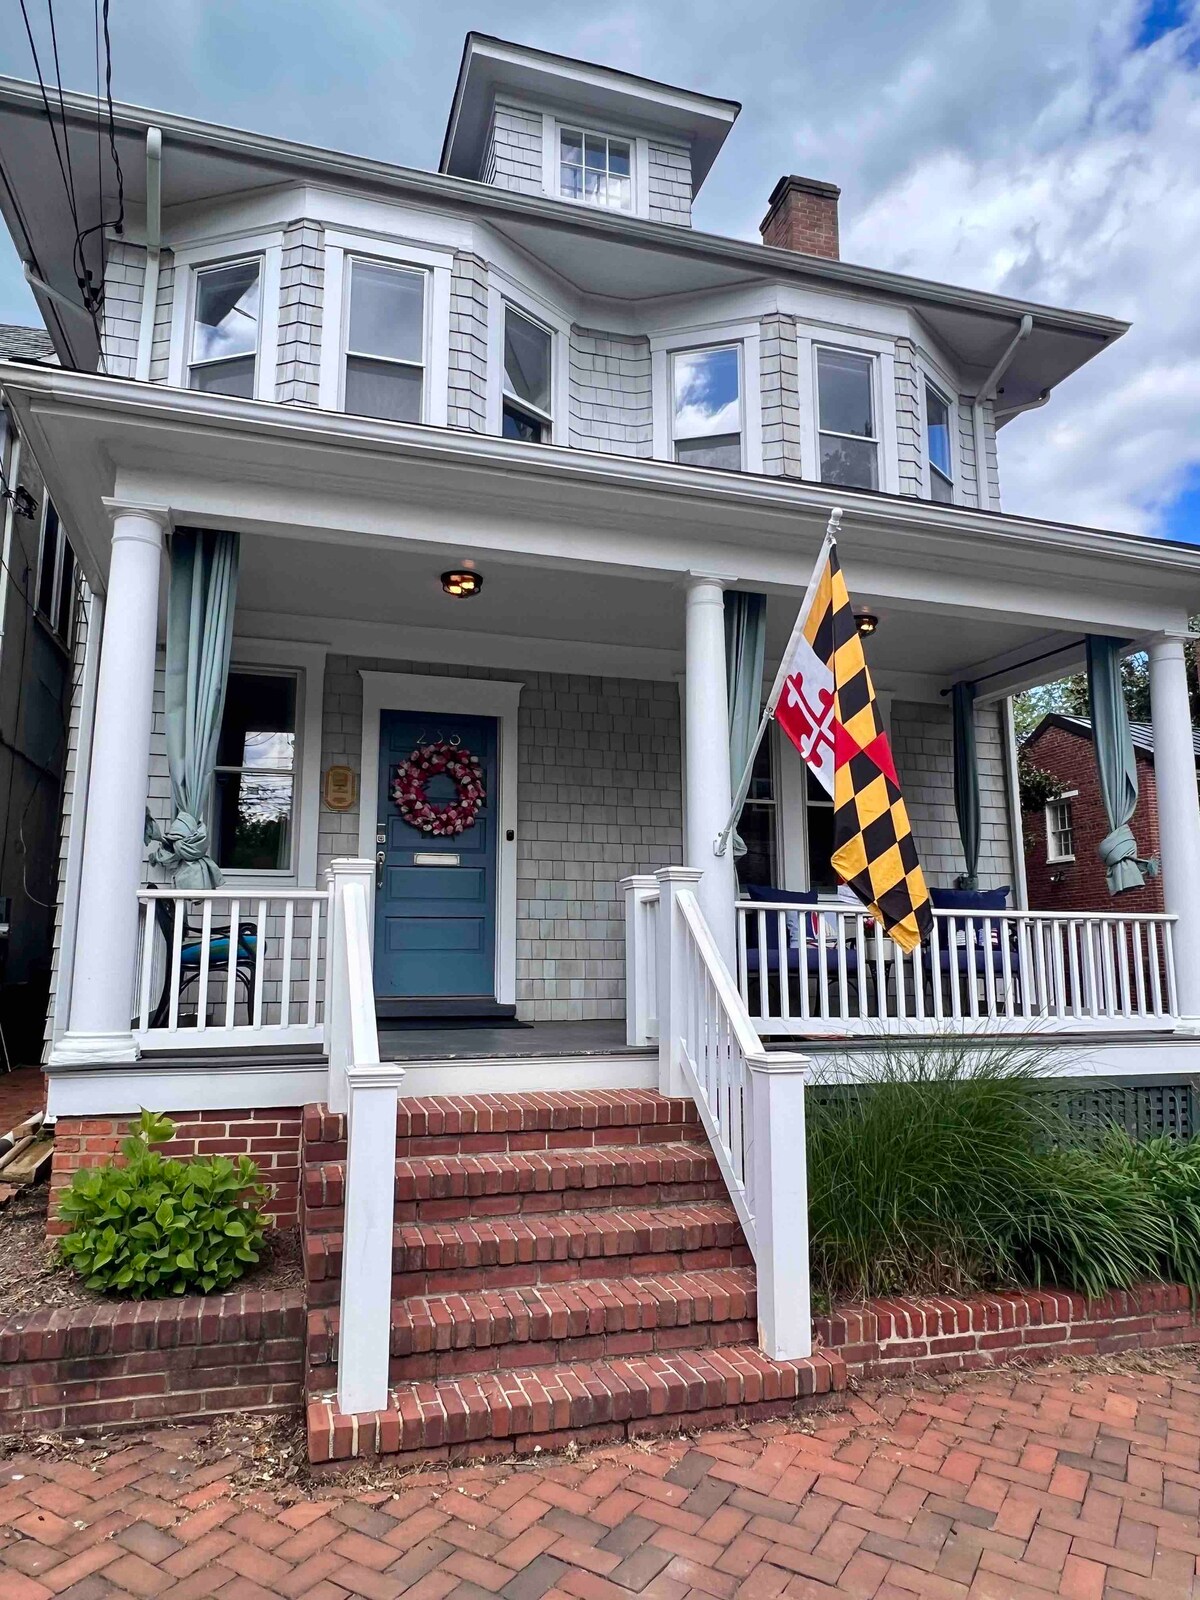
pixel 948 1169
pixel 157 1227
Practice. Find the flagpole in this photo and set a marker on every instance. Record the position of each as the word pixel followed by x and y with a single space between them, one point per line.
pixel 721 843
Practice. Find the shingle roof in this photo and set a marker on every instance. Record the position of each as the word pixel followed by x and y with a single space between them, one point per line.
pixel 19 343
pixel 1142 733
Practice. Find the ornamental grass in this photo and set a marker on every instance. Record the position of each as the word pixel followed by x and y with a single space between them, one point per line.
pixel 947 1169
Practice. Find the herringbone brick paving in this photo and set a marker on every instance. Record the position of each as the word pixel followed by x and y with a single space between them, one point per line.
pixel 1069 1481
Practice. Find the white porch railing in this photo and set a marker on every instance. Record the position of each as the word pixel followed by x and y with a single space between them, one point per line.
pixel 993 972
pixel 750 1101
pixel 220 968
pixel 366 1089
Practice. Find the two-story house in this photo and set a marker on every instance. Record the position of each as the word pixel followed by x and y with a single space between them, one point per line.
pixel 399 491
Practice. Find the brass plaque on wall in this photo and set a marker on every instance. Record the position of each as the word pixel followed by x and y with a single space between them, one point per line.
pixel 340 788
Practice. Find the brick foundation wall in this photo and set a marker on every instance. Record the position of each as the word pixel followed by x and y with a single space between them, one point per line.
pixel 1080 885
pixel 895 1338
pixel 165 1360
pixel 271 1138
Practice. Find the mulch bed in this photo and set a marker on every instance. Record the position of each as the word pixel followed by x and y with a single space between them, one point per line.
pixel 31 1278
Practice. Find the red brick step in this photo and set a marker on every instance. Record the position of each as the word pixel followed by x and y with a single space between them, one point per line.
pixel 490 1329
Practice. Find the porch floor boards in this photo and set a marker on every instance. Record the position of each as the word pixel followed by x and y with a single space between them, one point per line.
pixel 438 1042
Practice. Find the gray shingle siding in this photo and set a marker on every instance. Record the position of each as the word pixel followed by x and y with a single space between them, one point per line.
pixel 779 381
pixel 610 393
pixel 301 309
pixel 160 344
pixel 513 158
pixel 599 796
pixel 966 453
pixel 467 399
pixel 922 743
pixel 909 450
pixel 124 282
pixel 670 183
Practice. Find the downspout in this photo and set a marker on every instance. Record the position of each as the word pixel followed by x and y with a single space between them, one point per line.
pixel 981 398
pixel 1019 411
pixel 153 251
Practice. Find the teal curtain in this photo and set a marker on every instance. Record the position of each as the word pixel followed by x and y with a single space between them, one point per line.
pixel 745 650
pixel 1115 764
pixel 966 781
pixel 203 591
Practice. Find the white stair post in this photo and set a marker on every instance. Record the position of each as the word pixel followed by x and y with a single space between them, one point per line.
pixel 106 936
pixel 1178 814
pixel 365 1318
pixel 706 757
pixel 641 958
pixel 779 1199
pixel 669 997
pixel 343 871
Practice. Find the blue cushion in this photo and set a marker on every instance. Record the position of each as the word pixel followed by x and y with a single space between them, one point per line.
pixel 767 892
pixel 970 899
pixel 218 949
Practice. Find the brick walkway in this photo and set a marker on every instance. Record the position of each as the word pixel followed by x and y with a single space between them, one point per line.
pixel 1005 1486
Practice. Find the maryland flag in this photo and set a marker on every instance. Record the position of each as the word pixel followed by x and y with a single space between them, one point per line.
pixel 825 702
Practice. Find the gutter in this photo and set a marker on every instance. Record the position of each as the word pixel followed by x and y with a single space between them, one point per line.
pixel 981 398
pixel 153 251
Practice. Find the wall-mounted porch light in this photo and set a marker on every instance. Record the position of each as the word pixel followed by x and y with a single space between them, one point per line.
pixel 462 584
pixel 866 622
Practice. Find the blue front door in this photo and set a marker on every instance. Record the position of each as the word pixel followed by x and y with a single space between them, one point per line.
pixel 435 901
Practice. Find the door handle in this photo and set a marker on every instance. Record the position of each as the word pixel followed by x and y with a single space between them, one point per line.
pixel 380 863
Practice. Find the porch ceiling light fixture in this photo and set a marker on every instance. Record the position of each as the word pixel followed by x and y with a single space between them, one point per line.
pixel 866 622
pixel 462 585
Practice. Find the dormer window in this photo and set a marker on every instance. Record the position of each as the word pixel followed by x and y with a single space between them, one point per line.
pixel 225 323
pixel 595 169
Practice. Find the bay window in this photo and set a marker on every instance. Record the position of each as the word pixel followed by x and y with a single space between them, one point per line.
pixel 847 424
pixel 527 401
pixel 223 351
pixel 706 407
pixel 937 446
pixel 385 342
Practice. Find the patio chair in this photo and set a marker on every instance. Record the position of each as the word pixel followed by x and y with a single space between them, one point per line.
pixel 807 905
pixel 968 961
pixel 190 952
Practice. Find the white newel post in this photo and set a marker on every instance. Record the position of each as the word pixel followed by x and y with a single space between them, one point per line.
pixel 1178 814
pixel 106 933
pixel 706 747
pixel 779 1197
pixel 669 974
pixel 343 871
pixel 640 894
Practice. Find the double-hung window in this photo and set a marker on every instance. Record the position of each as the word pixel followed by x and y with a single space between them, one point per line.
pixel 849 436
pixel 223 354
pixel 1060 829
pixel 253 808
pixel 385 342
pixel 706 407
pixel 937 446
pixel 527 403
pixel 56 575
pixel 595 169
pixel 758 825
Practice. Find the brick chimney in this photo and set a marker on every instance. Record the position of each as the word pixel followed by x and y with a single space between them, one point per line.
pixel 803 216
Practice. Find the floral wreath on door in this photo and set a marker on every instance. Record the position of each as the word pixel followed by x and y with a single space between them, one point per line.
pixel 410 783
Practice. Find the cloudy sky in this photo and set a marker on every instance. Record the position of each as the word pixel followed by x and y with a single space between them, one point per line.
pixel 1043 148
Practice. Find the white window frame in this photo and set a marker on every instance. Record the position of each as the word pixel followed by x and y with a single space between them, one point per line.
pixel 927 468
pixel 823 346
pixel 50 618
pixel 340 248
pixel 809 340
pixel 190 261
pixel 1053 854
pixel 306 663
pixel 639 163
pixel 503 292
pixel 664 348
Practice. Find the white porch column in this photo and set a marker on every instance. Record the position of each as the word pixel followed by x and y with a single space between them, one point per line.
pixel 107 927
pixel 1178 813
pixel 706 756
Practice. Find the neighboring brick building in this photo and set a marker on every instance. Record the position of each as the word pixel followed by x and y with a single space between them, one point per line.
pixel 1062 861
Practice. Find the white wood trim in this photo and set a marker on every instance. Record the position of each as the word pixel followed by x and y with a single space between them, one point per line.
pixel 883 378
pixel 663 346
pixel 927 379
pixel 482 697
pixel 438 266
pixel 502 291
pixel 309 661
pixel 188 262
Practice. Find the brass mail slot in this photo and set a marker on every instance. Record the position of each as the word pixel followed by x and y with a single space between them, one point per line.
pixel 434 858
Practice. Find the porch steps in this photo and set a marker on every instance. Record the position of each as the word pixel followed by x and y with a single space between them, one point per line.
pixel 565 1265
